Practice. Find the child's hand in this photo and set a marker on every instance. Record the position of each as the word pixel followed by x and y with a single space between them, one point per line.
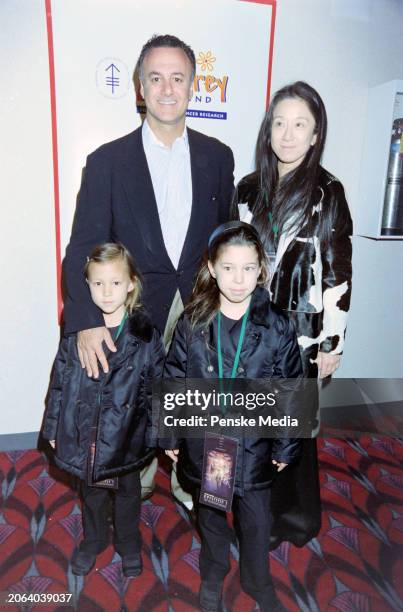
pixel 173 454
pixel 280 465
pixel 52 444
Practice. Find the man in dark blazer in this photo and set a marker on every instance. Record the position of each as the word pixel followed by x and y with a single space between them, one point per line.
pixel 117 201
pixel 160 191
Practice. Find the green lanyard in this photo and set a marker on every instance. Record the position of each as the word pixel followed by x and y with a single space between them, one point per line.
pixel 238 348
pixel 274 226
pixel 123 321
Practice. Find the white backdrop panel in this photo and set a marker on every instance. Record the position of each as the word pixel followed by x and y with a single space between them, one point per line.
pixel 28 323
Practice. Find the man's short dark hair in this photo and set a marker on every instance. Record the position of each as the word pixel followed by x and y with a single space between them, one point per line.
pixel 165 40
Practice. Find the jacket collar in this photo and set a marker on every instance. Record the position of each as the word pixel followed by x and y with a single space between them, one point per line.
pixel 200 162
pixel 140 326
pixel 259 313
pixel 260 307
pixel 140 193
pixel 136 180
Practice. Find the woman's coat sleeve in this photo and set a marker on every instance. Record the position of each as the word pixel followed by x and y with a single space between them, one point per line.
pixel 336 273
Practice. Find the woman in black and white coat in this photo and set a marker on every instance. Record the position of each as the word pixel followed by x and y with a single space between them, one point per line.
pixel 303 219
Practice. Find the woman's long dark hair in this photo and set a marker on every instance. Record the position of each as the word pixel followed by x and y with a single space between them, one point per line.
pixel 205 299
pixel 292 197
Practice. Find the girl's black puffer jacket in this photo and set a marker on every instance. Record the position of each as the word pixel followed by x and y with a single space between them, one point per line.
pixel 118 403
pixel 269 350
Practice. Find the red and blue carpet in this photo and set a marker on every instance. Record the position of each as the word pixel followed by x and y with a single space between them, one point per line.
pixel 354 565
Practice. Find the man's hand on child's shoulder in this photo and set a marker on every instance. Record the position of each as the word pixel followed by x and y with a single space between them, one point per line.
pixel 90 349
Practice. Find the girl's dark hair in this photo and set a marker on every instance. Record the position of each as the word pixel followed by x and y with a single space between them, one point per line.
pixel 110 252
pixel 205 299
pixel 292 197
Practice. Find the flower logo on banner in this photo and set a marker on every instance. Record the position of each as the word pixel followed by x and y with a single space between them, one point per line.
pixel 210 89
pixel 206 60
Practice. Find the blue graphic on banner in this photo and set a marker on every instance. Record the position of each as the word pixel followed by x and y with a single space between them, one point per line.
pixel 200 114
pixel 112 78
pixel 112 81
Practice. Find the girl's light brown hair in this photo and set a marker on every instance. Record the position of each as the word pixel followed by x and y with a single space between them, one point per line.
pixel 205 299
pixel 110 252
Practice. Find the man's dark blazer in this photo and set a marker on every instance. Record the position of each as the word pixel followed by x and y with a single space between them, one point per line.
pixel 117 204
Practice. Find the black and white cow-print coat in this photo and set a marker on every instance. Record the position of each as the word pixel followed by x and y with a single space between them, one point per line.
pixel 310 277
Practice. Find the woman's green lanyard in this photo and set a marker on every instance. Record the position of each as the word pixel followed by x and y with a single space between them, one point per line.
pixel 238 348
pixel 274 226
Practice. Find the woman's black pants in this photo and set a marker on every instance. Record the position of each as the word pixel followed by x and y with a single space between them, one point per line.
pixel 126 516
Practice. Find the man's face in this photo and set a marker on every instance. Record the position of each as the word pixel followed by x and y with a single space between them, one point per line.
pixel 166 86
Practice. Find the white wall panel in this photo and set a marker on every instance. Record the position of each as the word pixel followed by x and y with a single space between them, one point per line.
pixel 28 319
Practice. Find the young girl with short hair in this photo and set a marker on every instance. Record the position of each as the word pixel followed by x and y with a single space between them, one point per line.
pixel 229 317
pixel 101 429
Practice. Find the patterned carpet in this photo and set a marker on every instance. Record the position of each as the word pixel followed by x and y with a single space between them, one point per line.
pixel 355 564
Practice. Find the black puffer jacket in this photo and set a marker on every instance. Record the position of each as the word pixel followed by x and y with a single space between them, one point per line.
pixel 269 350
pixel 121 398
pixel 312 276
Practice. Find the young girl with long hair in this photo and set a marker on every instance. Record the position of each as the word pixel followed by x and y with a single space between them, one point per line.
pixel 101 429
pixel 228 321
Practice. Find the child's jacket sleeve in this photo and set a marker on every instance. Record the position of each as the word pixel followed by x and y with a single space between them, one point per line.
pixel 176 367
pixel 154 372
pixel 288 366
pixel 54 399
pixel 176 362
